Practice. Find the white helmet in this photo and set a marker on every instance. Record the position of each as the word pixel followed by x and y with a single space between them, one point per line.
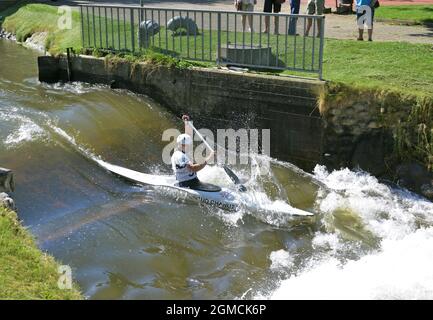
pixel 184 139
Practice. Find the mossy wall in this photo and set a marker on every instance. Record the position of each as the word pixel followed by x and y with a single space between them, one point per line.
pixel 376 129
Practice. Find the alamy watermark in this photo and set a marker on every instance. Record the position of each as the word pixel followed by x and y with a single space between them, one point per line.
pixel 231 146
pixel 65 279
pixel 65 20
pixel 364 16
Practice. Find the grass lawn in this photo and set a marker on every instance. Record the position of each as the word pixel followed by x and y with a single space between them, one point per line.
pixel 400 66
pixel 33 18
pixel 418 14
pixel 388 65
pixel 26 272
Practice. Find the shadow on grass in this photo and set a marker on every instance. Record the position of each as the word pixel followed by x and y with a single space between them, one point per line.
pixel 167 52
pixel 11 10
pixel 428 34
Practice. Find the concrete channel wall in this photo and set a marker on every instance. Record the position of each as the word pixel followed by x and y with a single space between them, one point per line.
pixel 216 99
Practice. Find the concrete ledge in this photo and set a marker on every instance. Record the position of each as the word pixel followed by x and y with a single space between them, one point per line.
pixel 7 183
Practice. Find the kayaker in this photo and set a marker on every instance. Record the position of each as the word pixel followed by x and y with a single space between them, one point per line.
pixel 184 169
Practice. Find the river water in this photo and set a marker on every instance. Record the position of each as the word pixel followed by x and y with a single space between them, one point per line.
pixel 124 241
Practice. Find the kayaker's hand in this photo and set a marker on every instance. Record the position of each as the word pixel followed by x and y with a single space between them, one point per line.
pixel 185 117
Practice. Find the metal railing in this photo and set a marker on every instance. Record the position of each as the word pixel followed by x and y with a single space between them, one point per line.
pixel 222 37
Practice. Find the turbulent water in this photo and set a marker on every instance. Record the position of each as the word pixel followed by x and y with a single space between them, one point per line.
pixel 124 241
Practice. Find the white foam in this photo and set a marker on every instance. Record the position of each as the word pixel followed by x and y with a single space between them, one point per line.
pixel 24 129
pixel 75 87
pixel 281 259
pixel 326 241
pixel 386 213
pixel 403 269
pixel 27 131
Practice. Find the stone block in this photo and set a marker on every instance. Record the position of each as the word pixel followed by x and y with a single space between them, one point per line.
pixel 246 55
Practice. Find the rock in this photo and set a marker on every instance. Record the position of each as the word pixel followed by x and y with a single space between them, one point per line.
pixel 373 125
pixel 360 107
pixel 6 201
pixel 6 180
pixel 338 129
pixel 357 131
pixel 415 177
pixel 427 190
pixel 335 111
pixel 37 41
pixel 349 122
pixel 370 151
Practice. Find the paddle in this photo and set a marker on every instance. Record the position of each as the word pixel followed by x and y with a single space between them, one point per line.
pixel 228 171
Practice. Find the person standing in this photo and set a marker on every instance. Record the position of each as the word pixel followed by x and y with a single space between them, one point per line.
pixel 246 5
pixel 294 9
pixel 272 6
pixel 314 7
pixel 365 15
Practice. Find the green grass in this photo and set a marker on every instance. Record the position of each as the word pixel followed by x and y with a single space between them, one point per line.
pixel 398 66
pixel 26 272
pixel 417 14
pixel 32 18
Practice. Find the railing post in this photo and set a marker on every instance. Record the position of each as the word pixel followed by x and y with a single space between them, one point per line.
pixel 219 39
pixel 94 27
pixel 140 19
pixel 140 38
pixel 82 26
pixel 132 30
pixel 322 40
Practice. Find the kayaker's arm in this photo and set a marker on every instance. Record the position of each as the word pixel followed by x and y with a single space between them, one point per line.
pixel 197 167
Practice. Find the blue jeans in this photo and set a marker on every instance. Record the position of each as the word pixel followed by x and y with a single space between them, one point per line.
pixel 294 9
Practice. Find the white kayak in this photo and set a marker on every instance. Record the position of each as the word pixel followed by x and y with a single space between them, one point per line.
pixel 224 198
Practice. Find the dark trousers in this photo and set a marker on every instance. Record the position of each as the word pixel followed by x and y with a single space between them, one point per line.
pixel 193 183
pixel 294 9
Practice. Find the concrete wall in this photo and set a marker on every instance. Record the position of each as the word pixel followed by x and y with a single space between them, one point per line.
pixel 217 99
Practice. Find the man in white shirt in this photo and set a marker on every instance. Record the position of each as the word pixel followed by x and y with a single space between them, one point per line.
pixel 184 169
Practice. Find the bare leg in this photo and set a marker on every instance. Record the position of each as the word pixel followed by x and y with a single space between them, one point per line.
pixel 361 34
pixel 250 22
pixel 267 19
pixel 370 34
pixel 276 24
pixel 309 24
pixel 319 28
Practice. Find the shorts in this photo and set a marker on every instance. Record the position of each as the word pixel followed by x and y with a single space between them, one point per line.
pixel 315 7
pixel 359 14
pixel 271 3
pixel 247 7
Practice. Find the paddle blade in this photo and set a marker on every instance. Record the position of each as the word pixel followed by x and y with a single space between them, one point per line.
pixel 232 175
pixel 235 179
